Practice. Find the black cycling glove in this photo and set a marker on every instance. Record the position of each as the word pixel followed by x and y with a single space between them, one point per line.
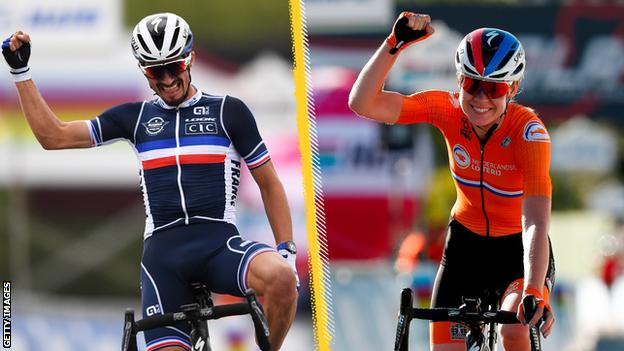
pixel 17 60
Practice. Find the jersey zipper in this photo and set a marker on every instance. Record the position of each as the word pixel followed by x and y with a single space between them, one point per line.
pixel 177 138
pixel 487 220
pixel 482 143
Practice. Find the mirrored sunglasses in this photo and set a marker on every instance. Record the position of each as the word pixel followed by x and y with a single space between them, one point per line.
pixel 174 68
pixel 492 90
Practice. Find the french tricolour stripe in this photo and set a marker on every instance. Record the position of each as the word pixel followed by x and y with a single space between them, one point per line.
pixel 194 150
pixel 188 141
pixel 168 341
pixel 184 160
pixel 494 190
pixel 184 150
pixel 244 269
pixel 94 131
pixel 258 160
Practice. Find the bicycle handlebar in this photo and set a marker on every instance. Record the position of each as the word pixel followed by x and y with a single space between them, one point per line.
pixel 529 304
pixel 457 315
pixel 215 312
pixel 461 315
pixel 194 313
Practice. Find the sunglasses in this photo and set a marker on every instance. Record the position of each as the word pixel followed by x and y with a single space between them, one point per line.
pixel 492 90
pixel 174 68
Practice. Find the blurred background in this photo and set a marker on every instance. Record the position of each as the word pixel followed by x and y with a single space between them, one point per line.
pixel 71 222
pixel 388 191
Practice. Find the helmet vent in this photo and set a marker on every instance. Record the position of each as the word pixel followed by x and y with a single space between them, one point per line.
pixel 143 44
pixel 506 59
pixel 174 54
pixel 519 68
pixel 161 37
pixel 174 40
pixel 470 70
pixel 469 53
pixel 500 75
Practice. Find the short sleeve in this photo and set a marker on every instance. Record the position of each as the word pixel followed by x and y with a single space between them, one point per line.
pixel 241 128
pixel 431 106
pixel 533 157
pixel 115 123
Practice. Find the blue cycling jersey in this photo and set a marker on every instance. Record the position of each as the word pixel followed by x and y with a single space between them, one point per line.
pixel 189 155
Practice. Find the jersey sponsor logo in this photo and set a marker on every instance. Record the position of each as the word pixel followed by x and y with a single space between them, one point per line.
pixel 518 56
pixel 155 23
pixel 155 125
pixel 461 156
pixel 200 128
pixel 201 110
pixel 135 46
pixel 199 345
pixel 466 130
pixel 535 131
pixel 506 141
pixel 458 331
pixel 152 310
pixel 492 168
pixel 453 99
pixel 200 125
pixel 490 36
pixel 235 181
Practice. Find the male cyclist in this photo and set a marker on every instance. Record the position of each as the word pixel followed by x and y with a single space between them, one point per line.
pixel 499 153
pixel 189 145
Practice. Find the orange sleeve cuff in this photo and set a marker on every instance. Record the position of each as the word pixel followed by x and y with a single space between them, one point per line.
pixel 538 186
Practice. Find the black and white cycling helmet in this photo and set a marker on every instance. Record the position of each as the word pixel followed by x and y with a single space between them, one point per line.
pixel 491 54
pixel 161 37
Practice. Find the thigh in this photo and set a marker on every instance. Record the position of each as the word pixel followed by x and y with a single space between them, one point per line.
pixel 461 271
pixel 449 288
pixel 458 276
pixel 162 291
pixel 226 272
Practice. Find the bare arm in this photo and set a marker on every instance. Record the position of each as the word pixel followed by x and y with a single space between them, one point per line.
pixel 368 97
pixel 275 202
pixel 536 222
pixel 51 132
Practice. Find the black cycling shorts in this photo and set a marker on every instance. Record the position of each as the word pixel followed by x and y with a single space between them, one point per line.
pixel 212 253
pixel 474 265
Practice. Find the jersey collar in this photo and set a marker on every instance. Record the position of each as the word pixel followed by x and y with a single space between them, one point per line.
pixel 190 102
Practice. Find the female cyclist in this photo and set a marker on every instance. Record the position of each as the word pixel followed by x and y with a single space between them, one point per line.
pixel 499 153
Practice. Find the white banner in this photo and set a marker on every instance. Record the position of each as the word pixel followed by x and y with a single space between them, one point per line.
pixel 348 15
pixel 65 26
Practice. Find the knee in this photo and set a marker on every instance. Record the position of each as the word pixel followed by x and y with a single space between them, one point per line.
pixel 514 334
pixel 282 283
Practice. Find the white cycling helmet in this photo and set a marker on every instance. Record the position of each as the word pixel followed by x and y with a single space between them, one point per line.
pixel 161 37
pixel 491 54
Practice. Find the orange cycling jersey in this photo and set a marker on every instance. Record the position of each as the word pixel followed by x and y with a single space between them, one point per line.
pixel 491 179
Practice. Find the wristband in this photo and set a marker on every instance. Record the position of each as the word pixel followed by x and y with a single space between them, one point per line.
pixel 541 302
pixel 288 250
pixel 20 74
